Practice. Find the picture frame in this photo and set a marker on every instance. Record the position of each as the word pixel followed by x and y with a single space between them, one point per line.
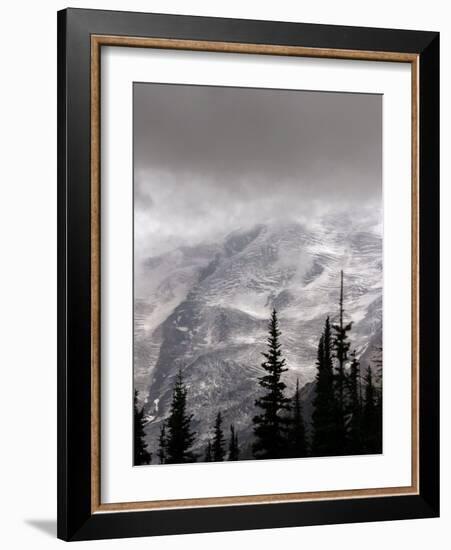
pixel 81 36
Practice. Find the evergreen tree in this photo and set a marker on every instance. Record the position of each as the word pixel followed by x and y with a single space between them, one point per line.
pixel 371 443
pixel 355 406
pixel 377 361
pixel 271 425
pixel 341 347
pixel 141 454
pixel 162 444
pixel 218 440
pixel 234 451
pixel 296 435
pixel 323 417
pixel 378 439
pixel 208 454
pixel 180 438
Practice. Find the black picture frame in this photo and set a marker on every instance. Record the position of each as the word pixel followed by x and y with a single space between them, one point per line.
pixel 76 521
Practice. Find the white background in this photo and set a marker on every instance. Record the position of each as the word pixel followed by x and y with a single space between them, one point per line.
pixel 28 274
pixel 119 481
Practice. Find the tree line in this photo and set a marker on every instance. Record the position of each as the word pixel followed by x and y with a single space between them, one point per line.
pixel 346 417
pixel 176 437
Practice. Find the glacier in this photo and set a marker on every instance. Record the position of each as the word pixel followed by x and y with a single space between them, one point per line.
pixel 205 308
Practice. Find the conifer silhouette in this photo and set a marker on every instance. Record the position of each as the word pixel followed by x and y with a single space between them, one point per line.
pixel 354 407
pixel 341 347
pixel 208 454
pixel 324 441
pixel 218 440
pixel 141 454
pixel 234 451
pixel 270 426
pixel 371 438
pixel 180 438
pixel 162 444
pixel 297 441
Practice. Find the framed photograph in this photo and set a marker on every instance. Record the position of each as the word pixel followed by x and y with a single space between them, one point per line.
pixel 248 274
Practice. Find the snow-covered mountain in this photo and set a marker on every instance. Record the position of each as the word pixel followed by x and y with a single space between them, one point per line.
pixel 205 309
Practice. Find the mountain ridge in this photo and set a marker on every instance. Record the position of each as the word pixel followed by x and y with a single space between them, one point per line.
pixel 204 309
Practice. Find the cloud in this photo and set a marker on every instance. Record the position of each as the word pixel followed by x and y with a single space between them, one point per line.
pixel 210 159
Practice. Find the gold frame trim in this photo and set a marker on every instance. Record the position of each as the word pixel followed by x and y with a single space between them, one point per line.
pixel 97 41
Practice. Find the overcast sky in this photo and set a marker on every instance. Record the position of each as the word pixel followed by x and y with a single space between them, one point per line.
pixel 208 160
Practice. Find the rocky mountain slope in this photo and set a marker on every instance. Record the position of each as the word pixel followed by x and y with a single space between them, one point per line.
pixel 205 309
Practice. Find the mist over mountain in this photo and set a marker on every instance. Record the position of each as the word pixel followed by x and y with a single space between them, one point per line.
pixel 204 309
